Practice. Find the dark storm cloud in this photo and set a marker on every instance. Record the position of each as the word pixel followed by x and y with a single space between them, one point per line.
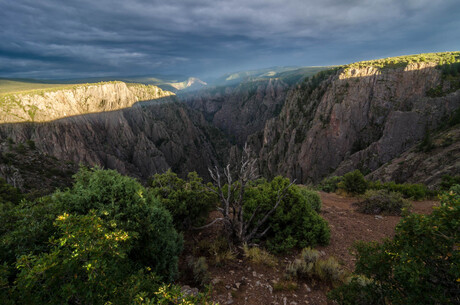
pixel 55 38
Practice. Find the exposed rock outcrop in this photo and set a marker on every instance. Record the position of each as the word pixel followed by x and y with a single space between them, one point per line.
pixel 355 118
pixel 78 99
pixel 428 167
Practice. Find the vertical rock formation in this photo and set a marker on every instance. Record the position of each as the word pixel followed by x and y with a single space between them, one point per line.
pixel 354 118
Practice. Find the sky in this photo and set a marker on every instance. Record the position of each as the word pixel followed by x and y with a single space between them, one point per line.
pixel 207 38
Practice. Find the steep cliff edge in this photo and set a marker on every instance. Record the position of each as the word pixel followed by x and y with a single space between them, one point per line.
pixel 357 116
pixel 140 139
pixel 47 105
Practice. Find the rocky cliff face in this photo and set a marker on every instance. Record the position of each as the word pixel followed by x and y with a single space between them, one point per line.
pixel 240 110
pixel 429 165
pixel 141 140
pixel 355 118
pixel 79 99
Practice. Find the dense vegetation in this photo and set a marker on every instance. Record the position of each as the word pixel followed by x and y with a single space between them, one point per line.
pixel 295 223
pixel 355 183
pixel 188 201
pixel 107 239
pixel 419 265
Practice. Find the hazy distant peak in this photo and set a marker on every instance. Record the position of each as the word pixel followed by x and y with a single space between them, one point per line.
pixel 192 83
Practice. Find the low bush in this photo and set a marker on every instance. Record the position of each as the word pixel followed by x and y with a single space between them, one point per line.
pixel 407 190
pixel 188 201
pixel 259 256
pixel 382 202
pixel 353 183
pixel 419 265
pixel 310 266
pixel 447 181
pixel 312 197
pixel 330 184
pixel 293 224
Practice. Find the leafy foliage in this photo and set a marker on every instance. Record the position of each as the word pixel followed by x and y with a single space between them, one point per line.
pixel 8 193
pixel 26 228
pixel 126 202
pixel 86 265
pixel 448 181
pixel 294 223
pixel 188 201
pixel 418 266
pixel 330 184
pixel 407 190
pixel 312 198
pixel 353 182
pixel 382 201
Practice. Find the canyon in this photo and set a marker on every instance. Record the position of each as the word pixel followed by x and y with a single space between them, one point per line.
pixel 357 116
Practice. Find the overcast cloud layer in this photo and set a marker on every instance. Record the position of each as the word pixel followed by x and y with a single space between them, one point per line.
pixel 65 39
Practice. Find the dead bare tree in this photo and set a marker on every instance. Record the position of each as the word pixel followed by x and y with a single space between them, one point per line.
pixel 238 227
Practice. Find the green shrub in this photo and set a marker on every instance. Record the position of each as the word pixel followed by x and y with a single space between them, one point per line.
pixel 354 183
pixel 89 264
pixel 8 193
pixel 136 210
pixel 188 201
pixel 448 181
pixel 310 266
pixel 312 197
pixel 407 190
pixel 26 228
pixel 418 266
pixel 455 189
pixel 329 185
pixel 382 202
pixel 86 264
pixel 293 224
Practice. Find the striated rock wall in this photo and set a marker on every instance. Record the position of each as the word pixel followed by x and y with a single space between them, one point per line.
pixel 138 141
pixel 355 118
pixel 79 99
pixel 119 127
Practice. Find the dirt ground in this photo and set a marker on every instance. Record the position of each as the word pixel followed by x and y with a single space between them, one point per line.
pixel 239 281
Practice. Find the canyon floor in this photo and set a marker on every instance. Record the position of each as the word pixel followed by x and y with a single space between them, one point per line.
pixel 239 281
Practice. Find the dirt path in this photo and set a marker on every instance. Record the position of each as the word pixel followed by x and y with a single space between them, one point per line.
pixel 242 282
